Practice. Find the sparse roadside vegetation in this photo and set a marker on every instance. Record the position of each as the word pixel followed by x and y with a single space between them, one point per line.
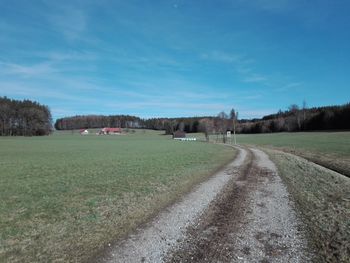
pixel 329 149
pixel 66 196
pixel 323 199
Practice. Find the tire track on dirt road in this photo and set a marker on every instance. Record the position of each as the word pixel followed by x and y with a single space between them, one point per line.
pixel 271 231
pixel 152 242
pixel 251 221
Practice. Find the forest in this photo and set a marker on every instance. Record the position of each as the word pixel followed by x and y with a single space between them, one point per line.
pixel 293 119
pixel 29 118
pixel 24 118
pixel 300 119
pixel 98 121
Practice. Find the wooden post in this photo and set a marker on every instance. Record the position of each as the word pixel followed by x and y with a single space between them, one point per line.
pixel 234 130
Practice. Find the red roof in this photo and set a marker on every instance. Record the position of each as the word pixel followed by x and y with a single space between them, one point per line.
pixel 112 129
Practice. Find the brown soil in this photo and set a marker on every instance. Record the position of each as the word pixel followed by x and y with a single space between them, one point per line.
pixel 210 239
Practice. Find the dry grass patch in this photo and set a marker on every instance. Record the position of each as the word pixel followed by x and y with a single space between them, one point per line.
pixel 323 199
pixel 329 149
pixel 340 164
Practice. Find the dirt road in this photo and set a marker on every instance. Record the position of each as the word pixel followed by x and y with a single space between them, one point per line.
pixel 241 214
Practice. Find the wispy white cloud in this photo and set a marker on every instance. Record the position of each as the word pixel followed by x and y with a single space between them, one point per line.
pixel 52 67
pixel 270 5
pixel 253 77
pixel 26 70
pixel 220 56
pixel 62 112
pixel 205 95
pixel 252 113
pixel 245 67
pixel 162 108
pixel 242 64
pixel 138 60
pixel 30 90
pixel 252 97
pixel 59 56
pixel 176 105
pixel 69 21
pixel 289 86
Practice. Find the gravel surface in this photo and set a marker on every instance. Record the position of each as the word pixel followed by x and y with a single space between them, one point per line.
pixel 241 214
pixel 270 231
pixel 152 242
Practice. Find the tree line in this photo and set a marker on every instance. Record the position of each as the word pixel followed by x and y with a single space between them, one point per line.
pixel 208 125
pixel 188 124
pixel 28 118
pixel 98 121
pixel 297 118
pixel 24 118
pixel 293 119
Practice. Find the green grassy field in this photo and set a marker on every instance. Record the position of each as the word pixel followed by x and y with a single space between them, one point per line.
pixel 65 196
pixel 330 149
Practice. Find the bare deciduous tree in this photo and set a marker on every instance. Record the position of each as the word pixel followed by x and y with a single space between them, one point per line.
pixel 222 125
pixel 234 118
pixel 294 109
pixel 206 126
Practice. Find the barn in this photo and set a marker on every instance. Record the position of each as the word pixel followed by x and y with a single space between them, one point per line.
pixel 107 131
pixel 179 134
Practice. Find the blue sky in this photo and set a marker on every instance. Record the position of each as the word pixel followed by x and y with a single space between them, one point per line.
pixel 171 58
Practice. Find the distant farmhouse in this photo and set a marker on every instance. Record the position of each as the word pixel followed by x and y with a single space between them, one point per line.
pixel 84 132
pixel 110 131
pixel 179 134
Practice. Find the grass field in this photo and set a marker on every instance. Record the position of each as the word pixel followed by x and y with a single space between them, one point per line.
pixel 323 200
pixel 329 149
pixel 65 196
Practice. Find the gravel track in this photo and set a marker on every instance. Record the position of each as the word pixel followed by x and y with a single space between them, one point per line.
pixel 152 242
pixel 241 214
pixel 271 230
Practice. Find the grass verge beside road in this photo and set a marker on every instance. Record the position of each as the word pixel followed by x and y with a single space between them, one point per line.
pixel 329 149
pixel 65 196
pixel 323 199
